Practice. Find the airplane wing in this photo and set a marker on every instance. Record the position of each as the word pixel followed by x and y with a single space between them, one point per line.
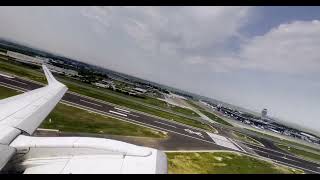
pixel 25 112
pixel 21 115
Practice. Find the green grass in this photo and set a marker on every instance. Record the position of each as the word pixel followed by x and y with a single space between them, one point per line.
pixel 72 119
pixel 17 69
pixel 301 153
pixel 246 138
pixel 222 163
pixel 6 92
pixel 215 118
pixel 99 94
pixel 144 100
pixel 91 91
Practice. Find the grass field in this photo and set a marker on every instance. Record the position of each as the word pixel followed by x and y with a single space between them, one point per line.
pixel 301 153
pixel 99 94
pixel 246 138
pixel 222 163
pixel 6 92
pixel 143 101
pixel 71 119
pixel 215 118
pixel 91 91
pixel 15 68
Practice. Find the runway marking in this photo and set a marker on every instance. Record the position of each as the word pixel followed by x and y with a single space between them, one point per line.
pixel 125 111
pixel 91 103
pixel 148 125
pixel 136 111
pixel 118 113
pixel 222 141
pixel 165 124
pixel 122 110
pixel 6 76
pixel 192 132
pixel 17 81
pixel 132 121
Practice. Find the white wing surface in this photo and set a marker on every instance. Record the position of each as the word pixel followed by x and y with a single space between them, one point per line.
pixel 25 112
pixel 22 114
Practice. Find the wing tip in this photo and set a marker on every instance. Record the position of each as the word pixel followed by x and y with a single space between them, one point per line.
pixel 50 78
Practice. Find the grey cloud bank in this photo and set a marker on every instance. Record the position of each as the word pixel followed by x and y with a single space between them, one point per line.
pixel 199 49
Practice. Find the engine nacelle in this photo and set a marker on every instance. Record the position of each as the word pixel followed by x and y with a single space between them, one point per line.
pixel 69 155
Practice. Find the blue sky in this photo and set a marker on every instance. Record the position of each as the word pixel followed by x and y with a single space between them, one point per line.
pixel 255 57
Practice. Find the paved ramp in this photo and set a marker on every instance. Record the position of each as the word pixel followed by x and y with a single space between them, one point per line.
pixel 222 141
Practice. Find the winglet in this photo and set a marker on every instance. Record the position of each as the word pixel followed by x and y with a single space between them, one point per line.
pixel 49 76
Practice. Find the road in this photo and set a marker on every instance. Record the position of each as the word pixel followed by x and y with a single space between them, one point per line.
pixel 182 134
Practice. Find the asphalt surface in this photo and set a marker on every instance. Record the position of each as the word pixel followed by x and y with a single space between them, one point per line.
pixel 182 137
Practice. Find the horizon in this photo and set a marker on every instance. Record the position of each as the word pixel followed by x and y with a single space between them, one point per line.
pixel 194 60
pixel 290 124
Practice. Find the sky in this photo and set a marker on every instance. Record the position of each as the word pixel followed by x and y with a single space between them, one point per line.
pixel 253 57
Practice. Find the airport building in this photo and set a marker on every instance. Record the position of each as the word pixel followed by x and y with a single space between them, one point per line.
pixel 59 70
pixel 102 85
pixel 25 58
pixel 139 90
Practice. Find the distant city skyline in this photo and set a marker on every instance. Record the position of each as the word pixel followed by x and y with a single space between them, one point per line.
pixel 253 57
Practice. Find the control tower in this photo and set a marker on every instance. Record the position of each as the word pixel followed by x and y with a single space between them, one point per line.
pixel 264 114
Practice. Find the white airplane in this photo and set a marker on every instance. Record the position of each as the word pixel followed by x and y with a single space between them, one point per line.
pixel 22 153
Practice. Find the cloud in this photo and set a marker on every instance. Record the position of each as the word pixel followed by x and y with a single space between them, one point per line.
pixel 200 49
pixel 162 35
pixel 291 48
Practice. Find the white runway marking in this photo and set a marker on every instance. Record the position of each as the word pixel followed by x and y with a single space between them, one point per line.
pixel 122 110
pixel 118 113
pixel 90 102
pixel 6 76
pixel 192 132
pixel 164 124
pixel 222 141
pixel 125 111
pixel 17 81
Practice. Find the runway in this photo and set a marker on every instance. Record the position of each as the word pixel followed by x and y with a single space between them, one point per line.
pixel 198 137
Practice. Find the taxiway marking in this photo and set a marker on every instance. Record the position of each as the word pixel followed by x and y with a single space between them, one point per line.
pixel 90 102
pixel 114 112
pixel 165 124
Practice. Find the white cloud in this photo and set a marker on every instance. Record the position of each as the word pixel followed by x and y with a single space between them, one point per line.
pixel 289 48
pixel 185 47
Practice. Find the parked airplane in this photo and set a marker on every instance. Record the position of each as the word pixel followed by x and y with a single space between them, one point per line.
pixel 22 153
